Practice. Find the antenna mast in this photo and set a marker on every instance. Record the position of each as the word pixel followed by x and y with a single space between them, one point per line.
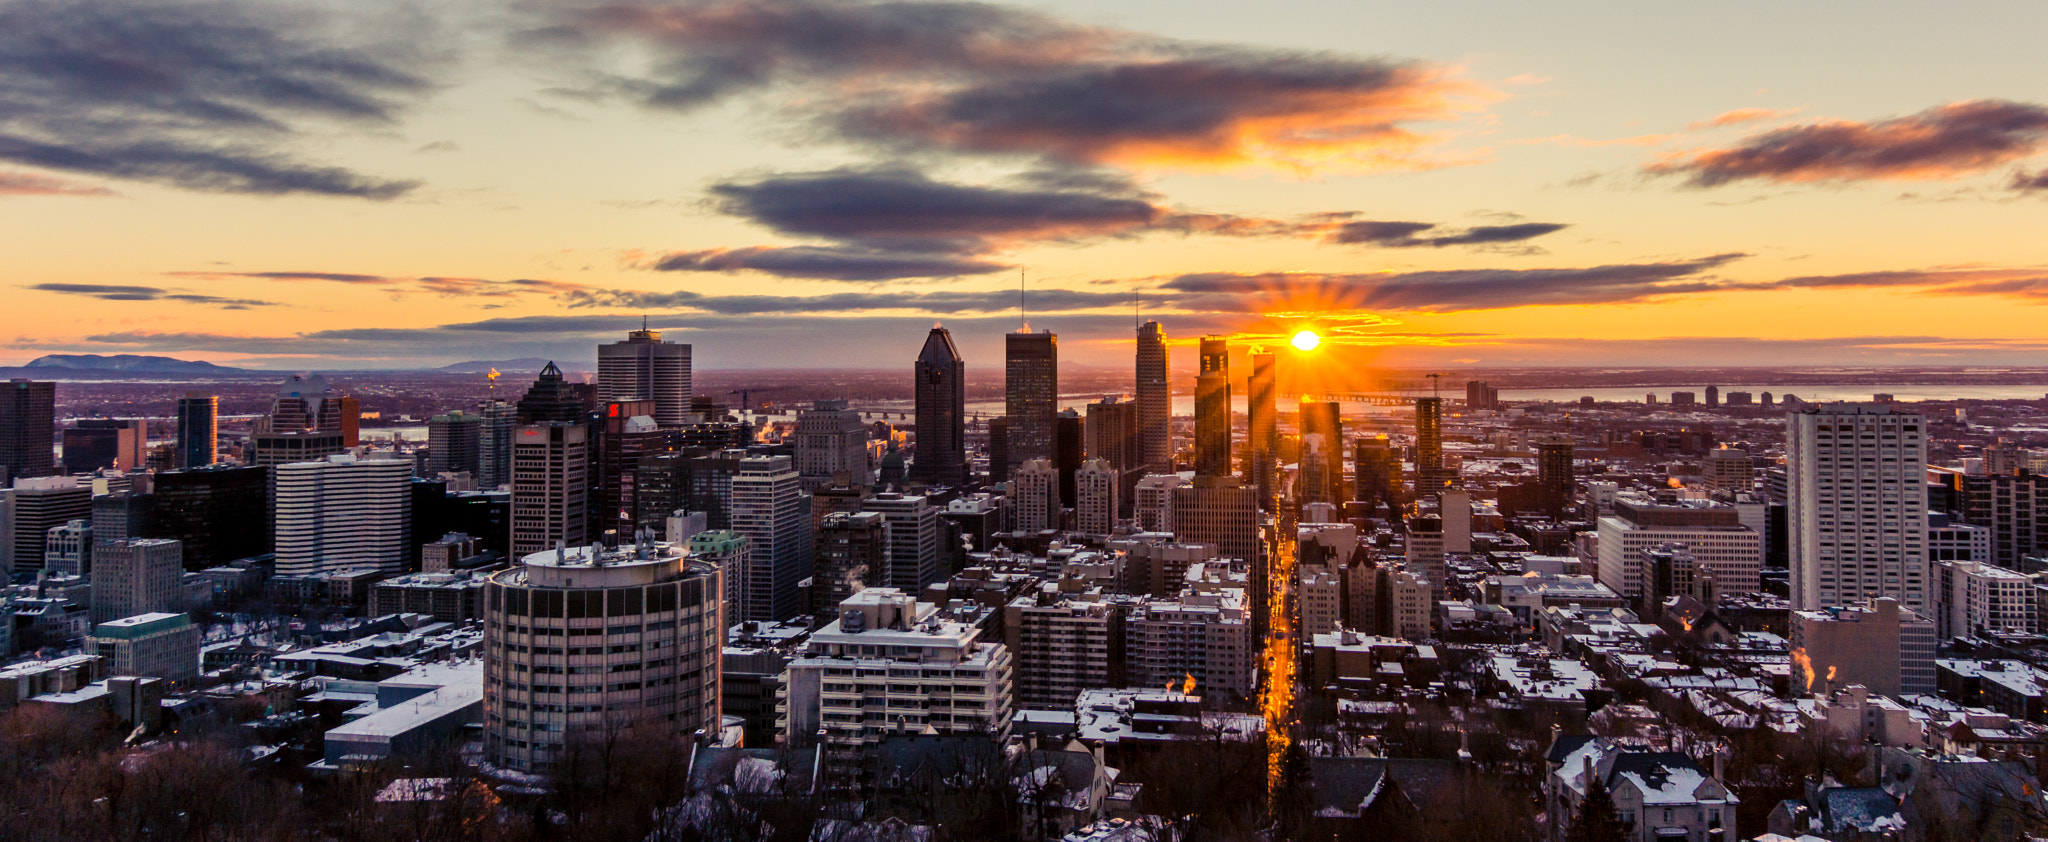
pixel 1435 381
pixel 1022 319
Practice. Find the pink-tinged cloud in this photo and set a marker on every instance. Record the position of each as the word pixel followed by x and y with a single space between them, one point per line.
pixel 1740 116
pixel 444 286
pixel 2026 182
pixel 1944 142
pixel 32 184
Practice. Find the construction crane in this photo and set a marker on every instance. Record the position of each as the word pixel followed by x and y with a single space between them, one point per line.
pixel 1435 380
pixel 744 395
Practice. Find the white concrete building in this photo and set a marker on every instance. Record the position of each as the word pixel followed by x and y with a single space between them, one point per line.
pixel 1319 599
pixel 158 645
pixel 1856 506
pixel 1969 596
pixel 1095 498
pixel 1720 544
pixel 1035 495
pixel 1204 635
pixel 138 576
pixel 831 438
pixel 1153 505
pixel 344 512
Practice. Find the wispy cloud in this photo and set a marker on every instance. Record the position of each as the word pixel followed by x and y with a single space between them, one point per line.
pixel 121 292
pixel 33 184
pixel 1456 290
pixel 450 287
pixel 1944 142
pixel 1740 116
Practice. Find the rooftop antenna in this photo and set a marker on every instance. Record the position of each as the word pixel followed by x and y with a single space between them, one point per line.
pixel 1021 317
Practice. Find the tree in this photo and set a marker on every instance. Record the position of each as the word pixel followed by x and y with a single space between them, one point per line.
pixel 1597 819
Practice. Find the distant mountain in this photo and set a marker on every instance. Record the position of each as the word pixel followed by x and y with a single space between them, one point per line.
pixel 522 365
pixel 128 364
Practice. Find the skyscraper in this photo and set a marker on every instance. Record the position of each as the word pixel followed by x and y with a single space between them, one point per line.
pixel 851 549
pixel 345 512
pixel 498 420
pixel 94 443
pixel 941 392
pixel 1324 421
pixel 1262 445
pixel 645 368
pixel 1095 498
pixel 1069 437
pixel 33 507
pixel 308 420
pixel 1111 432
pixel 912 525
pixel 28 427
pixel 198 431
pixel 1554 467
pixel 769 508
pixel 454 443
pixel 1856 506
pixel 628 439
pixel 830 439
pixel 1376 472
pixel 1035 496
pixel 219 512
pixel 553 398
pixel 1430 474
pixel 1155 401
pixel 1212 409
pixel 1031 385
pixel 550 486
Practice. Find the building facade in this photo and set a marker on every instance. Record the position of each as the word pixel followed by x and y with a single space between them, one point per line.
pixel 1031 395
pixel 345 513
pixel 643 367
pixel 1857 506
pixel 941 412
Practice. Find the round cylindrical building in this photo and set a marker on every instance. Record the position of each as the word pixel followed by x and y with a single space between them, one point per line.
pixel 593 641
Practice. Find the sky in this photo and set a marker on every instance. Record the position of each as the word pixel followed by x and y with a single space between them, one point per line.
pixel 814 183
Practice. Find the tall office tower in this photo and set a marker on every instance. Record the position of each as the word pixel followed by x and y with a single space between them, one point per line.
pixel 1064 643
pixel 1031 383
pixel 627 439
pixel 1155 401
pixel 1154 506
pixel 1212 409
pixel 941 391
pixel 67 549
pixel 496 422
pixel 219 513
pixel 455 443
pixel 647 369
pixel 770 509
pixel 1035 496
pixel 1430 473
pixel 309 402
pixel 1220 511
pixel 1857 508
pixel 998 449
pixel 550 487
pixel 726 550
pixel 1069 437
pixel 1262 415
pixel 35 506
pixel 137 576
pixel 94 443
pixel 28 426
pixel 1376 471
pixel 831 439
pixel 914 535
pixel 1112 436
pixel 1323 418
pixel 1554 471
pixel 198 431
pixel 657 609
pixel 345 512
pixel 852 552
pixel 1095 498
pixel 1713 396
pixel 1480 394
pixel 552 398
pixel 304 424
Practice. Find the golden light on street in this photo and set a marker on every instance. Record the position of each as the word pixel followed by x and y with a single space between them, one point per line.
pixel 1307 340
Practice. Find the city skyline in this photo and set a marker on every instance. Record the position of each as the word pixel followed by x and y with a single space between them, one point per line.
pixel 376 186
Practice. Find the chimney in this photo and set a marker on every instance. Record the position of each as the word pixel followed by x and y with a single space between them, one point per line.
pixel 1720 764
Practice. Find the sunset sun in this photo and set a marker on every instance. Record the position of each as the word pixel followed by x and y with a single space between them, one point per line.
pixel 1307 340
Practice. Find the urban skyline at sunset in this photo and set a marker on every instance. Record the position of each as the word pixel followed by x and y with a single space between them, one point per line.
pixel 814 183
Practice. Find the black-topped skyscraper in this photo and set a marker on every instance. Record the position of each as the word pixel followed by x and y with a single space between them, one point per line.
pixel 645 368
pixel 1262 420
pixel 553 398
pixel 1031 384
pixel 28 426
pixel 198 430
pixel 941 392
pixel 1155 401
pixel 1212 409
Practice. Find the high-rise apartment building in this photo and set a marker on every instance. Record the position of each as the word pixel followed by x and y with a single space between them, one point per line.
pixel 1971 597
pixel 852 550
pixel 1731 470
pixel 137 576
pixel 2012 508
pixel 1208 636
pixel 1063 643
pixel 1857 506
pixel 1554 469
pixel 455 443
pixel 1880 645
pixel 1035 496
pixel 588 641
pixel 1155 400
pixel 1153 507
pixel 1212 409
pixel 1262 422
pixel 1480 394
pixel 912 559
pixel 33 507
pixel 831 439
pixel 1095 498
pixel 162 645
pixel 646 368
pixel 345 512
pixel 198 431
pixel 728 551
pixel 941 412
pixel 1031 395
pixel 28 428
pixel 550 487
pixel 628 439
pixel 1220 511
pixel 771 510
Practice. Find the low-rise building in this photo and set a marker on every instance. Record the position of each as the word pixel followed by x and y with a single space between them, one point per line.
pixel 159 645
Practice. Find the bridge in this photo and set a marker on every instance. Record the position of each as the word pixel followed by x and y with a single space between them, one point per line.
pixel 1368 398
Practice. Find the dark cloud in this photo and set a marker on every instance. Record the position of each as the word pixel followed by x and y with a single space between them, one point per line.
pixel 1446 291
pixel 1942 142
pixel 120 292
pixel 944 302
pixel 826 263
pixel 1407 234
pixel 210 95
pixel 2026 182
pixel 981 79
pixel 450 287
